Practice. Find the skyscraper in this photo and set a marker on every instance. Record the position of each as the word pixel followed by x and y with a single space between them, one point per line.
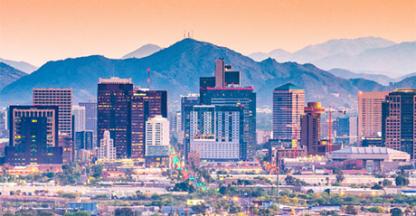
pixel 114 113
pixel 91 118
pixel 187 103
pixel 83 140
pixel 398 121
pixel 288 107
pixel 157 141
pixel 33 135
pixel 145 104
pixel 219 73
pixel 369 114
pixel 79 118
pixel 228 92
pixel 107 151
pixel 243 97
pixel 311 128
pixel 3 123
pixel 216 133
pixel 60 97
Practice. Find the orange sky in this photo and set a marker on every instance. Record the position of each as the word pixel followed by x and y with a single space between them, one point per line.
pixel 39 30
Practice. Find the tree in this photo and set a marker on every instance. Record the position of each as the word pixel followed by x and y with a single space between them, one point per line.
pixel 376 209
pixel 350 209
pixel 290 180
pixel 401 180
pixel 123 212
pixel 340 177
pixel 71 174
pixel 377 187
pixel 396 212
pixel 184 186
pixel 387 183
pixel 97 171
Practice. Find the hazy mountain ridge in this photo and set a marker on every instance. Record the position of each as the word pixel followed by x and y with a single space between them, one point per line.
pixel 9 74
pixel 143 51
pixel 362 55
pixel 177 69
pixel 19 65
pixel 379 78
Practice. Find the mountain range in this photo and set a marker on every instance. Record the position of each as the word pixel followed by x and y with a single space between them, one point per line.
pixel 19 65
pixel 9 74
pixel 369 55
pixel 178 67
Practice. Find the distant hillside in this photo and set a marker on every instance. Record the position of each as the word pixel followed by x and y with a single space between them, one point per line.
pixel 368 85
pixel 9 74
pixel 396 60
pixel 346 74
pixel 367 55
pixel 350 47
pixel 19 65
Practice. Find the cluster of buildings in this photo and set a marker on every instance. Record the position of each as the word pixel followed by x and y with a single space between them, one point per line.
pixel 219 123
pixel 125 122
pixel 216 125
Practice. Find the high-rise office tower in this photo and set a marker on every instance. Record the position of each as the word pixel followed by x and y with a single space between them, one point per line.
pixel 178 125
pixel 91 118
pixel 232 77
pixel 311 128
pixel 243 97
pixel 342 130
pixel 369 114
pixel 106 151
pixel 60 97
pixel 3 123
pixel 231 95
pixel 157 137
pixel 33 135
pixel 79 118
pixel 219 73
pixel 398 121
pixel 353 129
pixel 288 107
pixel 114 113
pixel 145 104
pixel 216 133
pixel 187 103
pixel 84 140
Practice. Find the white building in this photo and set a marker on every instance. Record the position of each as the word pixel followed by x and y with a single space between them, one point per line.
pixel 106 151
pixel 79 118
pixel 157 137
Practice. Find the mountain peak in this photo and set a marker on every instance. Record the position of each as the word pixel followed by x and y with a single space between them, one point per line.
pixel 143 51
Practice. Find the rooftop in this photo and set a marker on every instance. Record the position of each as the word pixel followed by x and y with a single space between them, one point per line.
pixel 115 80
pixel 367 150
pixel 288 86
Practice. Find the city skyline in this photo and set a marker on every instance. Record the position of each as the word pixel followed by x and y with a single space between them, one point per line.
pixel 79 28
pixel 204 124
